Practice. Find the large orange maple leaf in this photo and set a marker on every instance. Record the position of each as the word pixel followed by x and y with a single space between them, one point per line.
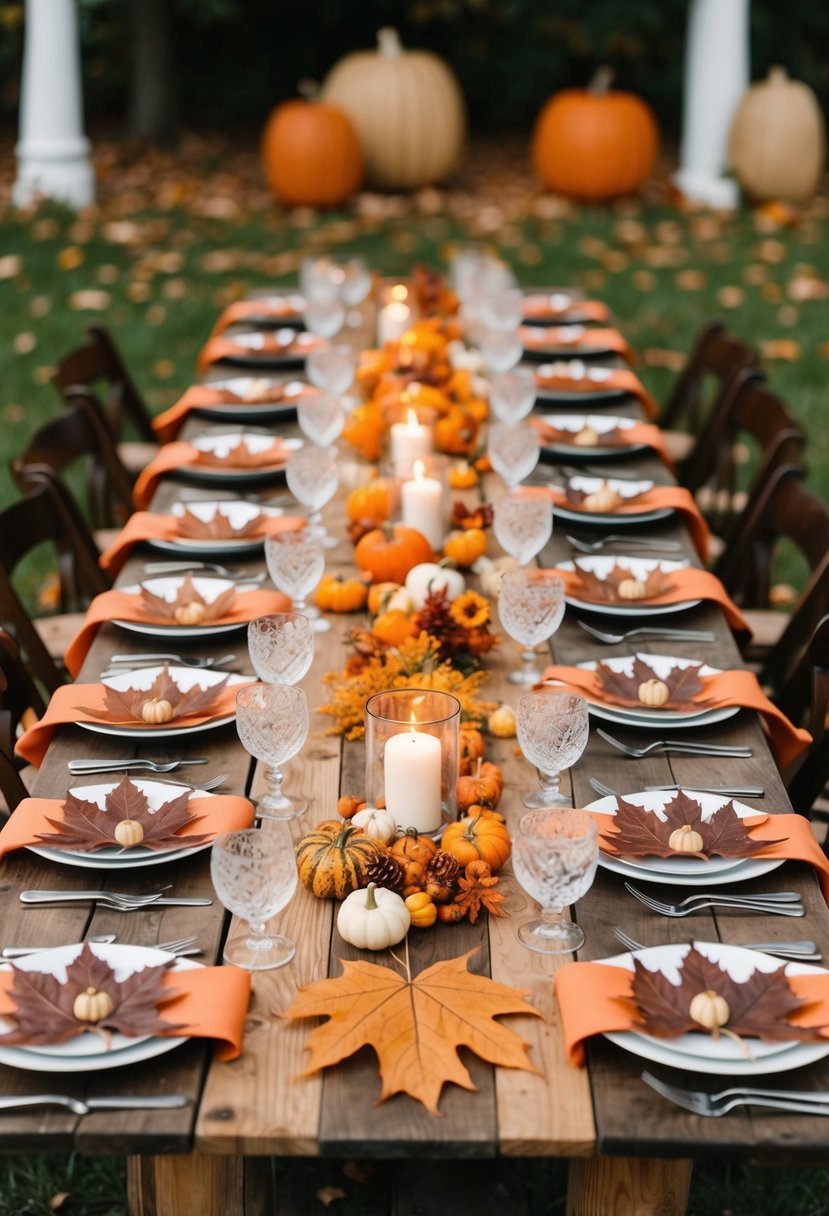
pixel 414 1025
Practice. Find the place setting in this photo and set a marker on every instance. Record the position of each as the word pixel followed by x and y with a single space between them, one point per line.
pixel 559 307
pixel 239 400
pixel 280 348
pixel 571 341
pixel 243 458
pixel 572 382
pixel 580 437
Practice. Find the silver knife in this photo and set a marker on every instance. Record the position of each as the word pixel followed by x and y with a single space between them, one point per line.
pixel 733 791
pixel 48 897
pixel 85 1106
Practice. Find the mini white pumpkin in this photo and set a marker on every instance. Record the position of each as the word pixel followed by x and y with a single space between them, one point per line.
pixel 685 840
pixel 587 437
pixel 430 576
pixel 376 822
pixel 602 500
pixel 632 589
pixel 654 692
pixel 373 918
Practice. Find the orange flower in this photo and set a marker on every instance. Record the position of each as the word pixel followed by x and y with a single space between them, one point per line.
pixel 470 610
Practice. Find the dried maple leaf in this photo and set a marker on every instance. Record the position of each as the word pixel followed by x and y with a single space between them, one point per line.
pixel 683 683
pixel 462 517
pixel 414 1026
pixel 758 1006
pixel 219 527
pixel 43 1010
pixel 240 456
pixel 549 433
pixel 605 590
pixel 156 607
pixel 641 833
pixel 477 892
pixel 126 706
pixel 85 827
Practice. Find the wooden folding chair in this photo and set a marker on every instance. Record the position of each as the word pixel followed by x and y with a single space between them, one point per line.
pixel 21 703
pixel 715 357
pixel 96 364
pixel 810 688
pixel 47 515
pixel 80 435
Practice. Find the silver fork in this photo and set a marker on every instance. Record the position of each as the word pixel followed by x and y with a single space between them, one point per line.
pixel 639 542
pixel 803 951
pixel 680 746
pixel 782 903
pixel 746 791
pixel 154 766
pixel 700 1103
pixel 137 660
pixel 210 783
pixel 117 900
pixel 178 567
pixel 180 946
pixel 688 635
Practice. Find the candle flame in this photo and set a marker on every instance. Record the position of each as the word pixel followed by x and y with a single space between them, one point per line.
pixel 399 292
pixel 411 420
pixel 412 723
pixel 419 470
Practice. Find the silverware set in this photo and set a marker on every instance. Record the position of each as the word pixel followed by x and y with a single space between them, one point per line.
pixel 744 791
pixel 801 951
pixel 777 903
pixel 700 1103
pixel 182 947
pixel 653 544
pixel 686 747
pixel 127 661
pixel 78 767
pixel 674 635
pixel 90 1105
pixel 117 900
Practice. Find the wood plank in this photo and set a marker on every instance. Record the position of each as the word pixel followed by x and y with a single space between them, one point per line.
pixel 618 1186
pixel 198 1185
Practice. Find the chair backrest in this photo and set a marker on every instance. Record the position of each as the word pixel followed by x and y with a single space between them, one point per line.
pixel 20 701
pixel 98 362
pixel 80 434
pixel 750 434
pixel 715 357
pixel 46 515
pixel 812 686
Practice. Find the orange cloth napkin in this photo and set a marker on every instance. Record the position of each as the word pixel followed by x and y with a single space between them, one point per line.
pixel 210 1003
pixel 596 999
pixel 793 835
pixel 63 709
pixel 620 379
pixel 174 456
pixel 144 526
pixel 203 396
pixel 538 338
pixel 540 306
pixel 30 821
pixel 674 498
pixel 727 688
pixel 119 605
pixel 219 348
pixel 688 583
pixel 641 432
pixel 285 308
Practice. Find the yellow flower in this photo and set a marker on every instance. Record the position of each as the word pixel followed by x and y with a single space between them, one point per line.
pixel 470 610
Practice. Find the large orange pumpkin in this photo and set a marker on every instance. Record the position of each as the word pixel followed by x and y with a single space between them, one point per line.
pixel 311 154
pixel 594 143
pixel 387 554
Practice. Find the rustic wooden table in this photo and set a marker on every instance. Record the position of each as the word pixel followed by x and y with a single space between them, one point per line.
pixel 630 1151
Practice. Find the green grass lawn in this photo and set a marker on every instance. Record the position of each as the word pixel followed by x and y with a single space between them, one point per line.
pixel 177 236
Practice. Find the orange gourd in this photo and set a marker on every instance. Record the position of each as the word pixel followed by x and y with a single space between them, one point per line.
pixel 338 594
pixel 476 789
pixel 422 910
pixel 334 859
pixel 594 143
pixel 311 154
pixel 413 847
pixel 462 476
pixel 388 554
pixel 370 501
pixel 394 627
pixel 472 747
pixel 478 838
pixel 465 546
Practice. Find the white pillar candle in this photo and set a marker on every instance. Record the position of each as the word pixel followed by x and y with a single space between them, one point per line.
pixel 410 439
pixel 411 774
pixel 392 321
pixel 422 506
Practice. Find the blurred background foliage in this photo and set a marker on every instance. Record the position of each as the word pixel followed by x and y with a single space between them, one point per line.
pixel 227 62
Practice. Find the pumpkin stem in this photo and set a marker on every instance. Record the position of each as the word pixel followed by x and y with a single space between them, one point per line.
pixel 371 902
pixel 778 74
pixel 388 43
pixel 601 80
pixel 308 89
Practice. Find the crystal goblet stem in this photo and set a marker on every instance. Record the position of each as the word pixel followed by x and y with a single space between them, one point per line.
pixel 254 874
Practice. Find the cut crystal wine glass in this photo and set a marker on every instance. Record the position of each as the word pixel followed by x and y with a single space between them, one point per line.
pixel 511 395
pixel 313 478
pixel 530 608
pixel 523 523
pixel 331 369
pixel 502 310
pixel 321 417
pixel 554 858
pixel 552 727
pixel 272 722
pixel 324 317
pixel 500 350
pixel 296 563
pixel 254 874
pixel 513 450
pixel 281 647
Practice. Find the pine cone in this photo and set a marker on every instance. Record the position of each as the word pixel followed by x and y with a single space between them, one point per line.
pixel 442 874
pixel 387 872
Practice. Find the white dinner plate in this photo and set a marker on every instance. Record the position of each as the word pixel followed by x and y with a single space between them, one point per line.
pixel 601 424
pixel 688 870
pixel 113 858
pixel 655 719
pixel 251 410
pixel 89 1052
pixel 566 310
pixel 238 512
pixel 298 345
pixel 167 587
pixel 591 381
pixel 564 350
pixel 185 677
pixel 222 444
pixel 640 568
pixel 700 1052
pixel 292 311
pixel 615 519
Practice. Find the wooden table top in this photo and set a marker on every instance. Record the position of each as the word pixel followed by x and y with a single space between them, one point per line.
pixel 256 1105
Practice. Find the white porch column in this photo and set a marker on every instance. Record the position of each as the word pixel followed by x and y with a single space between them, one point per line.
pixel 716 76
pixel 52 152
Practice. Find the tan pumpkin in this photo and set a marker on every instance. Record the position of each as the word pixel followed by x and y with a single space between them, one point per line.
pixel 311 154
pixel 92 1005
pixel 192 613
pixel 777 142
pixel 595 143
pixel 407 109
pixel 334 858
pixel 338 594
pixel 157 711
pixel 128 833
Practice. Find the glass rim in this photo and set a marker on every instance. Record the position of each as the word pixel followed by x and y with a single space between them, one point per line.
pixel 257 688
pixel 551 690
pixel 408 694
pixel 573 813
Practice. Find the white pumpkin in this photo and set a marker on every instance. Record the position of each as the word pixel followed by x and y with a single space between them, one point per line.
pixel 373 918
pixel 777 141
pixel 408 111
pixel 376 822
pixel 430 576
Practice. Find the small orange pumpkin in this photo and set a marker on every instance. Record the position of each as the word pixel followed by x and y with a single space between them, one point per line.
pixel 456 433
pixel 311 154
pixel 394 627
pixel 478 838
pixel 387 554
pixel 465 546
pixel 365 430
pixel 338 594
pixel 476 789
pixel 449 914
pixel 472 747
pixel 462 476
pixel 370 501
pixel 413 847
pixel 421 909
